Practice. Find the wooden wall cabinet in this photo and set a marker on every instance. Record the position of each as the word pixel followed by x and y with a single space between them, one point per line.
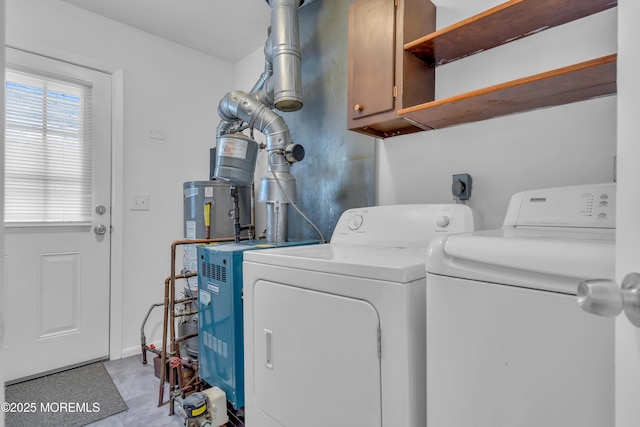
pixel 383 77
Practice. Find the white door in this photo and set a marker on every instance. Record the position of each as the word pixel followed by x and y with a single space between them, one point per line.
pixel 58 265
pixel 628 221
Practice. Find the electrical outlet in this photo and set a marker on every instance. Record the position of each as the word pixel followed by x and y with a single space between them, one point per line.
pixel 461 187
pixel 139 202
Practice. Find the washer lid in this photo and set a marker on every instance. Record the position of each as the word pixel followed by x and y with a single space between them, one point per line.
pixel 548 259
pixel 394 264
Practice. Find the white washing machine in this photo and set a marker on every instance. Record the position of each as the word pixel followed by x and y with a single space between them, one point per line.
pixel 335 333
pixel 507 343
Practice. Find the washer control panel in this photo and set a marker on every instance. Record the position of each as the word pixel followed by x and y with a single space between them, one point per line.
pixel 587 206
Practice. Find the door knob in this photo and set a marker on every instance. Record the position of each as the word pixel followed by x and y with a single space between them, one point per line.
pixel 100 229
pixel 603 297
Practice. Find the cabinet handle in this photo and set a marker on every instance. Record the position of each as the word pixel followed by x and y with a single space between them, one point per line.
pixel 358 107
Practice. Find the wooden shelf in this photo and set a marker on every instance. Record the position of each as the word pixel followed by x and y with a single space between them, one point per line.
pixel 506 22
pixel 561 86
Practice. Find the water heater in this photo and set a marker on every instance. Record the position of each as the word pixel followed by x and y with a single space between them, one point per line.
pixel 208 213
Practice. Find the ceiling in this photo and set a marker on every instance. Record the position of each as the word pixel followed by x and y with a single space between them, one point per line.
pixel 227 29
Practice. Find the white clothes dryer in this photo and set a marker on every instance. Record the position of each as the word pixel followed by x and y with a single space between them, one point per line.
pixel 507 343
pixel 335 333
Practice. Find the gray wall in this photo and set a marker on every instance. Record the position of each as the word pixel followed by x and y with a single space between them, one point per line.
pixel 338 170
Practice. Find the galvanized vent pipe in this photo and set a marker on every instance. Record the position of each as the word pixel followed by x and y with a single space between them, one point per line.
pixel 285 41
pixel 279 86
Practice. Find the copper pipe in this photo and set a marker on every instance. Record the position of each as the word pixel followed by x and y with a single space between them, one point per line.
pixel 193 385
pixel 189 313
pixel 163 355
pixel 186 337
pixel 186 299
pixel 171 313
pixel 178 372
pixel 152 350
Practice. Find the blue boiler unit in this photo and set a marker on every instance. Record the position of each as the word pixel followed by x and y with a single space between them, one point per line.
pixel 220 324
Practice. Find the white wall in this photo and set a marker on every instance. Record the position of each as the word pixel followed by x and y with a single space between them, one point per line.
pixel 566 145
pixel 167 88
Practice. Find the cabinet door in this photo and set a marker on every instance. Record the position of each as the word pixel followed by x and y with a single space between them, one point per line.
pixel 371 58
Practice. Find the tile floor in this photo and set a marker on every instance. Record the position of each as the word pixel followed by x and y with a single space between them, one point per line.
pixel 139 388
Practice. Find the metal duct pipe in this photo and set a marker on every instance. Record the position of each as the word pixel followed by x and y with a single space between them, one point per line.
pixel 277 221
pixel 239 105
pixel 285 41
pixel 279 86
pixel 268 67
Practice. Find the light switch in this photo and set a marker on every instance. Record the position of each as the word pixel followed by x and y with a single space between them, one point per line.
pixel 139 201
pixel 156 134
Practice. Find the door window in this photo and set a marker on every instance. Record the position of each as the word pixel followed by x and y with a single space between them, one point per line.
pixel 48 149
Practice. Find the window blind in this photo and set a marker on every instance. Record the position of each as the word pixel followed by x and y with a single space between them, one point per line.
pixel 48 161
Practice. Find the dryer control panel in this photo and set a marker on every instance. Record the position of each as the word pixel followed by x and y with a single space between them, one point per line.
pixel 584 206
pixel 401 225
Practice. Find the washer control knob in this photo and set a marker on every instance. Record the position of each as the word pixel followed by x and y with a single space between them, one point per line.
pixel 355 222
pixel 443 221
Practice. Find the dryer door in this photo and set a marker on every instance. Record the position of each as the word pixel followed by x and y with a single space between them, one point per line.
pixel 316 357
